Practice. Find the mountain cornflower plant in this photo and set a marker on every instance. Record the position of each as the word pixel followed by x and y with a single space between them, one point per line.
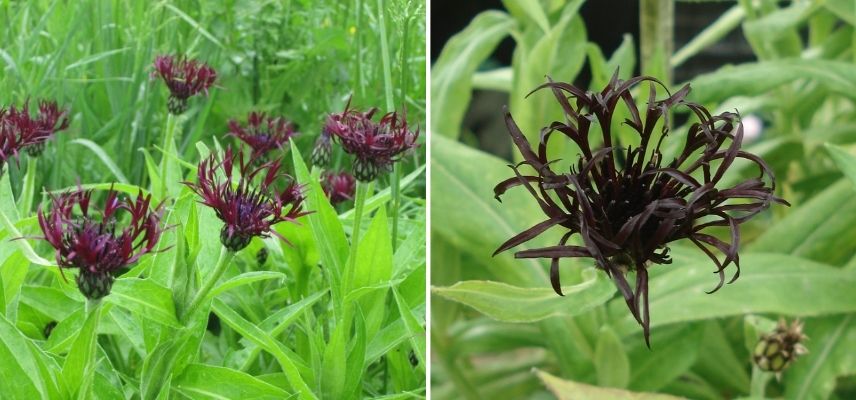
pixel 184 78
pixel 338 186
pixel 263 133
pixel 626 203
pixel 246 209
pixel 376 145
pixel 92 241
pixel 33 132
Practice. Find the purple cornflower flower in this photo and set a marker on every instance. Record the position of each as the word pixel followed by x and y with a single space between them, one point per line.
pixel 247 210
pixel 91 240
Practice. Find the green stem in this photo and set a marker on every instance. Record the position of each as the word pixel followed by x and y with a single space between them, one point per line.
pixel 28 190
pixel 363 191
pixel 758 385
pixel 223 262
pixel 92 309
pixel 710 35
pixel 168 139
pixel 656 31
pixel 395 179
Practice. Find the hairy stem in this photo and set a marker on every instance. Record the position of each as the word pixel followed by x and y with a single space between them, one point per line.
pixel 225 259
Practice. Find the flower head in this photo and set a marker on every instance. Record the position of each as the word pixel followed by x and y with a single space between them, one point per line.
pixel 376 145
pixel 184 78
pixel 247 210
pixel 92 241
pixel 778 349
pixel 263 133
pixel 10 143
pixel 32 133
pixel 322 152
pixel 338 186
pixel 625 202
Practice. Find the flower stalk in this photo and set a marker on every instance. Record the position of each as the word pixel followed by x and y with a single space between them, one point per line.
pixel 364 190
pixel 223 262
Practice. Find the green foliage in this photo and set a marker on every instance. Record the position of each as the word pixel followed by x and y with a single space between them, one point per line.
pixel 264 330
pixel 795 262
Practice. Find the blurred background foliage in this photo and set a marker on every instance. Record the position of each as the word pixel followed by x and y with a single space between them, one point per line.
pixel 787 67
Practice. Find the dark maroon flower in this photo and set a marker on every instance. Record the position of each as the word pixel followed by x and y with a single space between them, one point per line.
pixel 184 78
pixel 376 145
pixel 263 133
pixel 91 241
pixel 247 210
pixel 338 186
pixel 32 132
pixel 624 203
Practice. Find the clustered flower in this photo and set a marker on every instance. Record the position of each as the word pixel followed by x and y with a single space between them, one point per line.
pixel 376 145
pixel 625 202
pixel 92 240
pixel 21 131
pixel 778 349
pixel 247 210
pixel 184 78
pixel 263 133
pixel 338 186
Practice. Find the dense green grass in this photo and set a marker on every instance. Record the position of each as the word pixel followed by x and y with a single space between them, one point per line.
pixel 494 319
pixel 287 327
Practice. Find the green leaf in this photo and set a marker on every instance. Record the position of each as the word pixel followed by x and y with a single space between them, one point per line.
pixel 569 390
pixel 146 298
pixel 767 284
pixel 28 373
pixel 673 351
pixel 610 360
pixel 508 303
pixel 845 161
pixel 245 279
pixel 201 381
pixel 820 229
pixel 472 220
pixel 102 155
pixel 79 366
pixel 326 227
pixel 844 9
pixel 415 329
pixel 831 345
pixel 560 54
pixel 753 79
pixel 373 266
pixel 451 74
pixel 383 196
pixel 260 338
pixel 531 9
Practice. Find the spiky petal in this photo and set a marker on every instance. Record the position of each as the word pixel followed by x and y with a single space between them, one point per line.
pixel 263 133
pixel 247 209
pixel 185 78
pixel 92 241
pixel 376 145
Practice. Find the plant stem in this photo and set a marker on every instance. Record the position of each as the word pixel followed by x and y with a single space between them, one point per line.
pixel 363 191
pixel 395 178
pixel 222 262
pixel 758 385
pixel 92 310
pixel 168 139
pixel 656 31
